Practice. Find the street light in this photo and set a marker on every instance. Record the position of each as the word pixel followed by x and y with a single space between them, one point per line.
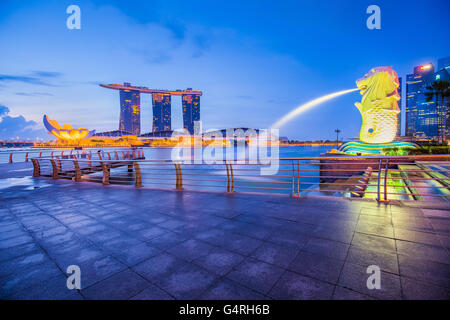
pixel 337 135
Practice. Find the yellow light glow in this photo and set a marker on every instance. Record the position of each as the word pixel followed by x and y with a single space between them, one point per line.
pixel 66 132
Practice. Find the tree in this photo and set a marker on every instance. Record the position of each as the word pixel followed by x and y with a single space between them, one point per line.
pixel 439 90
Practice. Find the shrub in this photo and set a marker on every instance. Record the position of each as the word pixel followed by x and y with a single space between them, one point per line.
pixel 430 149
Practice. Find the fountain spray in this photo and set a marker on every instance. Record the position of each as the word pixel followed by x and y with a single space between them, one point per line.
pixel 306 106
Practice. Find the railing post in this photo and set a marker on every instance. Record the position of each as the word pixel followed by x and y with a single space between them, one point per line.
pixel 298 178
pixel 40 154
pixel 10 158
pixel 117 156
pixel 55 169
pixel 109 156
pixel 385 179
pixel 77 177
pixel 228 176
pixel 26 157
pixel 379 177
pixel 36 168
pixel 179 182
pixel 138 176
pixel 59 164
pixel 51 154
pixel 106 174
pixel 232 178
pixel 293 179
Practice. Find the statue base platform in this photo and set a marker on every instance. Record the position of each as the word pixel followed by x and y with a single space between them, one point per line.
pixel 358 147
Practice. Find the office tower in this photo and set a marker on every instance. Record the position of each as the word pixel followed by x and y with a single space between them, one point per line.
pixel 191 111
pixel 161 112
pixel 421 115
pixel 130 111
pixel 425 118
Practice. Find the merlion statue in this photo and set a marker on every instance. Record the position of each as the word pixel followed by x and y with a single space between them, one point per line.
pixel 378 106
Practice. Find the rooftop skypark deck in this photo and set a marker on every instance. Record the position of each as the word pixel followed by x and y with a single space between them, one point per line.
pixel 135 243
pixel 177 92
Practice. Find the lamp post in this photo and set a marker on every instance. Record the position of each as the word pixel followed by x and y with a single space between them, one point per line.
pixel 337 135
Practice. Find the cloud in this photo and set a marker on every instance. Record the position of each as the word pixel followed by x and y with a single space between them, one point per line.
pixel 13 127
pixel 33 94
pixel 36 77
pixel 47 74
pixel 178 30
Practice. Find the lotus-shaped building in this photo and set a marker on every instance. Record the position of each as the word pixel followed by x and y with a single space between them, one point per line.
pixel 66 132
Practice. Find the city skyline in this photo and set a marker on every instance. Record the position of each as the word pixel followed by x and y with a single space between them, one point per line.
pixel 250 73
pixel 224 152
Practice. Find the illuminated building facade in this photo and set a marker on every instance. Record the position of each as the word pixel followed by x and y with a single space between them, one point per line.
pixel 130 111
pixel 130 107
pixel 422 116
pixel 191 111
pixel 161 112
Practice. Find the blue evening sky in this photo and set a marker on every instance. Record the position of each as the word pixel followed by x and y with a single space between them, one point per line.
pixel 253 60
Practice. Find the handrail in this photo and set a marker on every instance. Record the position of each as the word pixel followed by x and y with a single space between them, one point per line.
pixel 15 156
pixel 306 175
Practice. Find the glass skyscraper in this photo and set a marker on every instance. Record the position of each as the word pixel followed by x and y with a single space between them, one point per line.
pixel 422 116
pixel 130 111
pixel 162 120
pixel 191 111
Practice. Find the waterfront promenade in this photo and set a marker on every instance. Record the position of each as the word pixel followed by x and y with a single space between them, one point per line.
pixel 154 244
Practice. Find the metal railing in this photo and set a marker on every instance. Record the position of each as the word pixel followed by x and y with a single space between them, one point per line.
pixel 379 177
pixel 26 155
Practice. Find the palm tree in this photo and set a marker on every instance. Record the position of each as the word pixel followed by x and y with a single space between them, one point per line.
pixel 439 90
pixel 337 134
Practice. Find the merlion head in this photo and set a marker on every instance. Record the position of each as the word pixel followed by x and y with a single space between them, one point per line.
pixel 378 106
pixel 379 83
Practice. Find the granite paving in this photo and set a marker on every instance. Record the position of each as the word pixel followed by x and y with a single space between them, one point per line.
pixel 134 243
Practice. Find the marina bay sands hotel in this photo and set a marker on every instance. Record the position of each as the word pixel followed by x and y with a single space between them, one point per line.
pixel 130 107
